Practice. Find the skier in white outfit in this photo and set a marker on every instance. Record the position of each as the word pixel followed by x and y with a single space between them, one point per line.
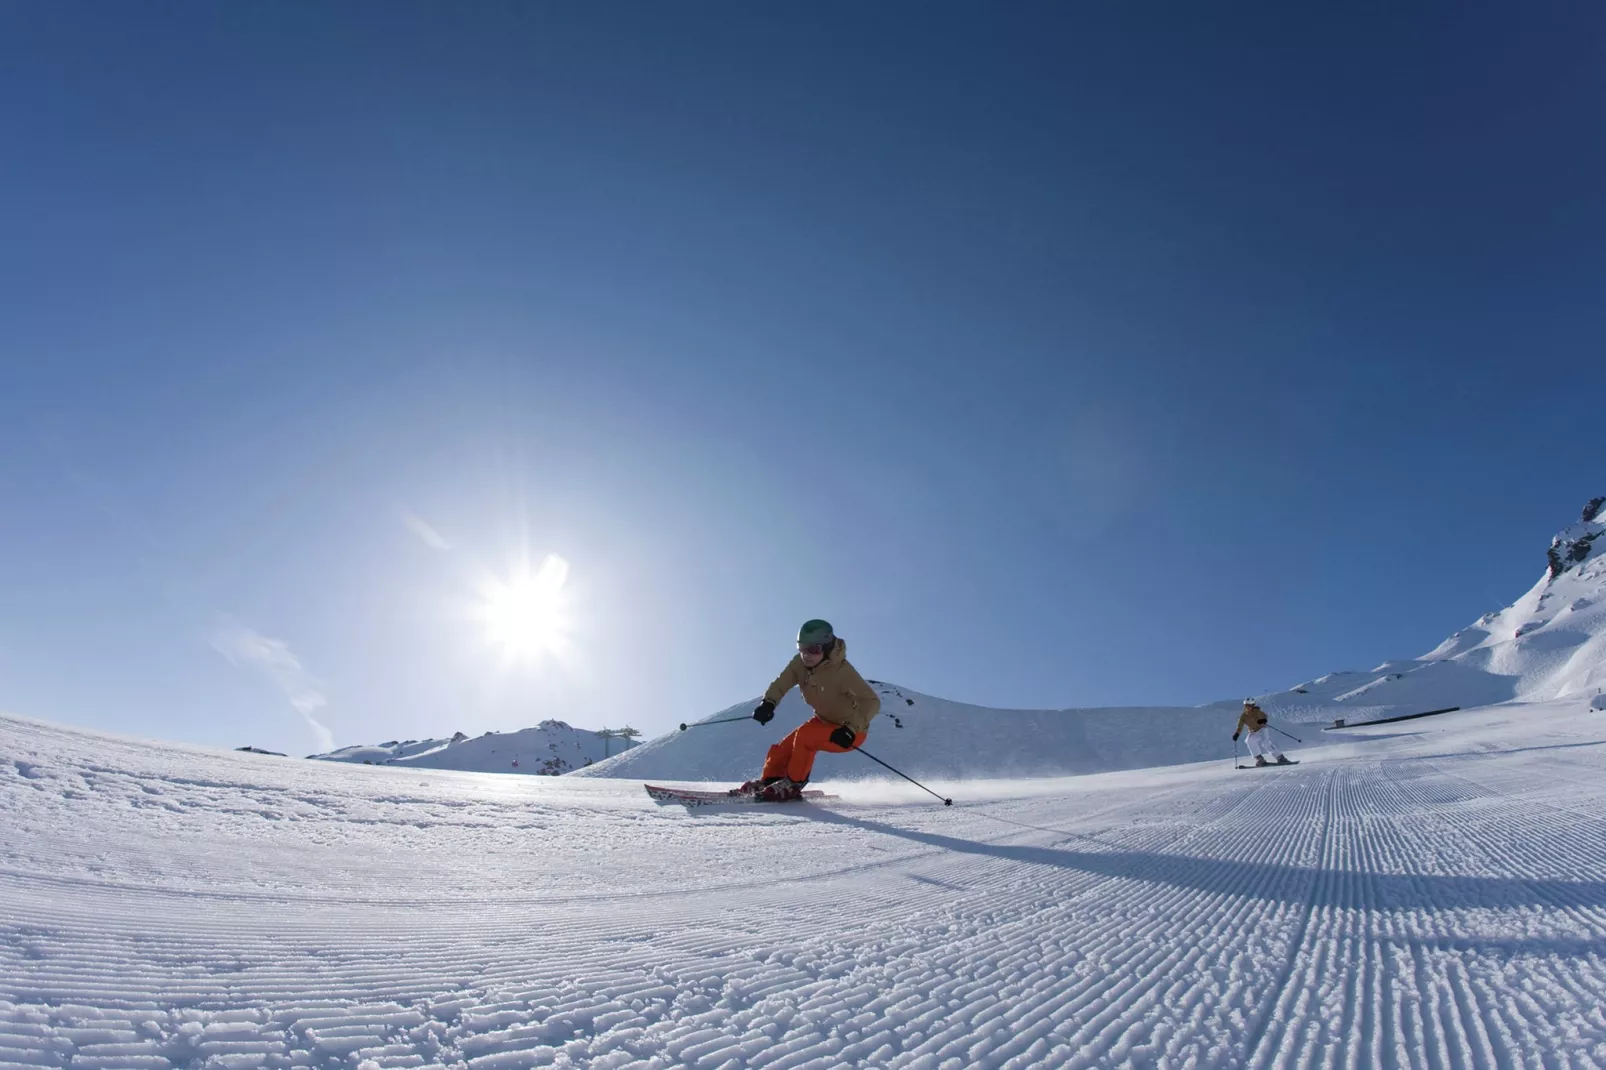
pixel 1259 739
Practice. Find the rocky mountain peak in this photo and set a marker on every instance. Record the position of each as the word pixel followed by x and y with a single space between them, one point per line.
pixel 1574 545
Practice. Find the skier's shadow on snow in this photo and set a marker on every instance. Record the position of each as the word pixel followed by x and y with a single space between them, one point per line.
pixel 1270 880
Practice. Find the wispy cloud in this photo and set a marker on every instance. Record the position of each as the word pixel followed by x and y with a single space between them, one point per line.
pixel 274 659
pixel 426 534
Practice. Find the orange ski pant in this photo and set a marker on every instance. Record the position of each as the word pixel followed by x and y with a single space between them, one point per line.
pixel 794 756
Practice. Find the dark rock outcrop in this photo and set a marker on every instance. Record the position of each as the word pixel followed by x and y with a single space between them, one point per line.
pixel 1574 545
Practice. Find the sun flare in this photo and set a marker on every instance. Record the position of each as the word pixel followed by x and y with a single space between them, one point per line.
pixel 527 615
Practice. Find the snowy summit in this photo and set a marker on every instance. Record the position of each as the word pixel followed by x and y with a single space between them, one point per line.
pixel 551 748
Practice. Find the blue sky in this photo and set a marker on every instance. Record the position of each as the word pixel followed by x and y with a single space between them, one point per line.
pixel 1060 355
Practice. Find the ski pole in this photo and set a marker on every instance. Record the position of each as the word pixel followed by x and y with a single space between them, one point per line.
pixel 910 779
pixel 704 724
pixel 1290 735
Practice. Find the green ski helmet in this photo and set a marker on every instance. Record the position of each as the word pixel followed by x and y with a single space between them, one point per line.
pixel 815 633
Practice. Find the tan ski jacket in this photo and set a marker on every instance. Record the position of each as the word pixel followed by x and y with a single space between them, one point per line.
pixel 833 688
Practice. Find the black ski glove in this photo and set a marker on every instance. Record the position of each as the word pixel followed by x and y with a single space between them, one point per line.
pixel 765 712
pixel 1235 737
pixel 843 736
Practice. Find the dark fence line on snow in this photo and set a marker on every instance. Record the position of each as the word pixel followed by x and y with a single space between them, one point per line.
pixel 1341 723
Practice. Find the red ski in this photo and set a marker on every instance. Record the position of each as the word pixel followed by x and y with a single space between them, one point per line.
pixel 716 798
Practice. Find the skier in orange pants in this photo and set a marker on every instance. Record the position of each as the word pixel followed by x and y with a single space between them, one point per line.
pixel 793 757
pixel 843 707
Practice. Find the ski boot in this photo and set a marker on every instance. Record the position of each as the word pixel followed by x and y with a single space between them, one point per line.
pixel 1282 759
pixel 754 786
pixel 781 789
pixel 1260 759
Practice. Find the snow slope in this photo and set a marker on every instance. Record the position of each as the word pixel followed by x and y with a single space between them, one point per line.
pixel 1431 897
pixel 549 749
pixel 1550 643
pixel 933 737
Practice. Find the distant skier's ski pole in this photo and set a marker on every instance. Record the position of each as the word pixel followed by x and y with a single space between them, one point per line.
pixel 1290 735
pixel 704 724
pixel 910 779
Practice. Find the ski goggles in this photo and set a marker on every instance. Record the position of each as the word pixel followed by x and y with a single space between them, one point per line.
pixel 813 650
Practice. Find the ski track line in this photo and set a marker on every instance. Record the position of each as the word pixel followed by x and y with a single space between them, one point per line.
pixel 1437 1000
pixel 1515 838
pixel 1273 1020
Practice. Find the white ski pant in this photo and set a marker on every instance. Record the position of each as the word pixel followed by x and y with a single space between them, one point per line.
pixel 1260 743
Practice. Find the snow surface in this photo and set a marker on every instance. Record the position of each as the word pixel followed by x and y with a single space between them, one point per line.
pixel 932 737
pixel 1431 897
pixel 551 748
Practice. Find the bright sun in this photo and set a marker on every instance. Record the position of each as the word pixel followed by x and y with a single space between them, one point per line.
pixel 528 614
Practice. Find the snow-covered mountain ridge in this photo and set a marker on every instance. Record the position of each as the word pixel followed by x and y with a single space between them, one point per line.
pixel 550 748
pixel 1549 644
